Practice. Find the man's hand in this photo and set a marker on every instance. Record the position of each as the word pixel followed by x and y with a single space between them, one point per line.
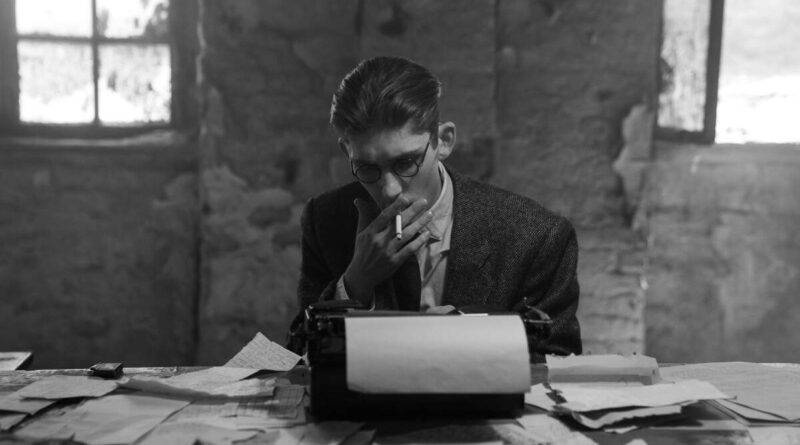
pixel 378 254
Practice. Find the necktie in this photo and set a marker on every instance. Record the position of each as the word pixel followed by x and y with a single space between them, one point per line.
pixel 408 285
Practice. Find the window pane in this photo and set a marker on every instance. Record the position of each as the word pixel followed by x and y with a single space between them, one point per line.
pixel 55 82
pixel 133 18
pixel 683 64
pixel 57 17
pixel 759 87
pixel 135 84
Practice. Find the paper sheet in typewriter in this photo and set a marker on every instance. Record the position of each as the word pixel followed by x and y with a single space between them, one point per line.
pixel 437 354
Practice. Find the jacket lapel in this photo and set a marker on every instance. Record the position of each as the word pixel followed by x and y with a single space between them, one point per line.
pixel 467 281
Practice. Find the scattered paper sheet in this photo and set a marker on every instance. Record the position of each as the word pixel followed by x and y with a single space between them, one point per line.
pixel 67 387
pixel 262 353
pixel 705 417
pixel 583 398
pixel 14 402
pixel 603 418
pixel 765 388
pixel 482 354
pixel 286 404
pixel 51 428
pixel 749 414
pixel 602 368
pixel 543 428
pixel 8 421
pixel 283 410
pixel 211 382
pixel 254 387
pixel 121 418
pixel 10 361
pixel 186 433
pixel 538 397
pixel 289 436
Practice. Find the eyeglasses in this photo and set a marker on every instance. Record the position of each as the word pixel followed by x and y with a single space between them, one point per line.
pixel 405 167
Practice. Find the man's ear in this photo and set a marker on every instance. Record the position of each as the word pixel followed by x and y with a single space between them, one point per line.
pixel 343 147
pixel 447 140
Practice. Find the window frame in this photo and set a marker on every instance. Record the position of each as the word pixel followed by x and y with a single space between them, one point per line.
pixel 713 59
pixel 182 42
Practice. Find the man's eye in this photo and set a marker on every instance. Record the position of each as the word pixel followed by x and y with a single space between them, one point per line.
pixel 404 164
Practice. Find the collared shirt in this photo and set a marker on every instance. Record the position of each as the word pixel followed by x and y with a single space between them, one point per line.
pixel 432 257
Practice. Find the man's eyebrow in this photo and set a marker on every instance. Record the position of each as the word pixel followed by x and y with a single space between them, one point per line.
pixel 413 154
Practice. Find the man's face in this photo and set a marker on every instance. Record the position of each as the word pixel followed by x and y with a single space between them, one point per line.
pixel 390 148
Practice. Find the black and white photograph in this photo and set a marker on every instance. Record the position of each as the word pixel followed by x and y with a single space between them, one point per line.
pixel 399 222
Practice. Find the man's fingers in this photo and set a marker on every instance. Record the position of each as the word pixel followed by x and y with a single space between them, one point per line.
pixel 365 213
pixel 414 245
pixel 414 210
pixel 387 215
pixel 408 213
pixel 417 225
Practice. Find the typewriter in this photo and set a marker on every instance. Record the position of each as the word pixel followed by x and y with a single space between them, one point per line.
pixel 324 336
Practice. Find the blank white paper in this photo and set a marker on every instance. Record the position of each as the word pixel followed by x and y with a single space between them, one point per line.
pixel 437 354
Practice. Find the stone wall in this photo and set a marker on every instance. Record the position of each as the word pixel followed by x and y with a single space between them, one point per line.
pixel 267 71
pixel 568 75
pixel 166 251
pixel 99 251
pixel 538 91
pixel 724 253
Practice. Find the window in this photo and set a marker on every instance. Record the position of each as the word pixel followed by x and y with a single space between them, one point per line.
pixel 690 51
pixel 92 66
pixel 759 79
pixel 729 71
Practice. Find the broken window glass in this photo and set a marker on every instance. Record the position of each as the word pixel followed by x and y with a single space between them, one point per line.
pixel 119 73
pixel 132 18
pixel 134 83
pixel 55 82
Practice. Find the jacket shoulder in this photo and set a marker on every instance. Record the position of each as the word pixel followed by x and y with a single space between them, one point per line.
pixel 497 206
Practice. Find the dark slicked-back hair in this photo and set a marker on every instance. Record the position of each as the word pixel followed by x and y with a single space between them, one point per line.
pixel 385 93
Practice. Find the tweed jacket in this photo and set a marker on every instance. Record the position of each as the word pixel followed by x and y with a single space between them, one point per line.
pixel 504 249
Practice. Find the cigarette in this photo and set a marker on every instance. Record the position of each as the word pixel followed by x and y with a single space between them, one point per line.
pixel 398 227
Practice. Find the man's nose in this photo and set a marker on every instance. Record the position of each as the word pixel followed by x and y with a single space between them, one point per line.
pixel 391 187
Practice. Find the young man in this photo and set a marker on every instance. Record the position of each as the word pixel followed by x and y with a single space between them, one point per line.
pixel 411 234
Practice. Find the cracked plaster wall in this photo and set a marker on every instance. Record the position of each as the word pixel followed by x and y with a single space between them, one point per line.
pixel 538 89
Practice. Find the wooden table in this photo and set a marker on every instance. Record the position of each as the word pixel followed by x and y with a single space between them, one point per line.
pixel 453 431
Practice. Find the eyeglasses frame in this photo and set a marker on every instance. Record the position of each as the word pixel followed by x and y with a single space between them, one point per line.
pixel 418 163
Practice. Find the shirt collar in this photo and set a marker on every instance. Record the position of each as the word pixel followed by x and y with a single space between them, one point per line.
pixel 442 211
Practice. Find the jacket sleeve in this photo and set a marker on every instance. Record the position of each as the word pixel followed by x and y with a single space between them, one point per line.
pixel 317 281
pixel 552 286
